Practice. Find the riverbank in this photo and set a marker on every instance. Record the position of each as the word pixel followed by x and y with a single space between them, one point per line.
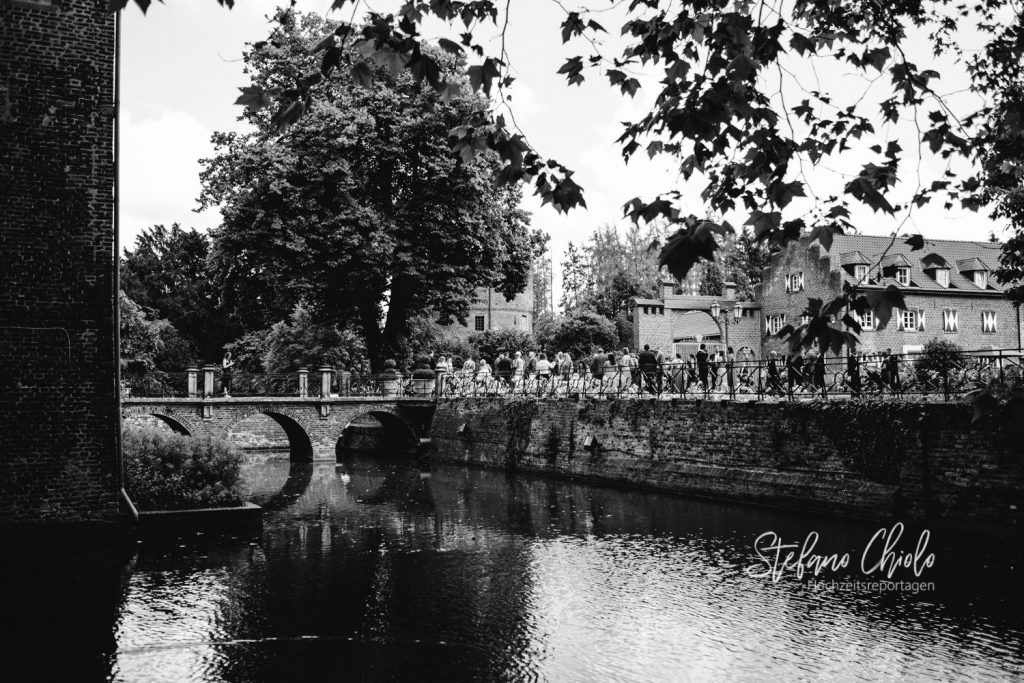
pixel 867 460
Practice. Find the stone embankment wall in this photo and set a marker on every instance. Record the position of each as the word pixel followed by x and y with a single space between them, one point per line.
pixel 865 460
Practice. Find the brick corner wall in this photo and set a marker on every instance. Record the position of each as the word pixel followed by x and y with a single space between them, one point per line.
pixel 58 396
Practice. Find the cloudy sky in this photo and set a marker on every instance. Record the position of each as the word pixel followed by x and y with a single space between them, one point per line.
pixel 182 67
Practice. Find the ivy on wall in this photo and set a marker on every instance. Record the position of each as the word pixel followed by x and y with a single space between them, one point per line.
pixel 518 414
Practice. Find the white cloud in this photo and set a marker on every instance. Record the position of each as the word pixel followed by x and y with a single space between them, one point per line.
pixel 160 172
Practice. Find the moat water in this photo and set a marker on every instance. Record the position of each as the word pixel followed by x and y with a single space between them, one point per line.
pixel 380 569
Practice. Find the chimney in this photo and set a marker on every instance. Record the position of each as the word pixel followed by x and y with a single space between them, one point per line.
pixel 667 288
pixel 729 291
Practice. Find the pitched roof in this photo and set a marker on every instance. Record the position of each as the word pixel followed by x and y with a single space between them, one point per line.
pixel 949 251
pixel 693 324
pixel 853 258
pixel 969 265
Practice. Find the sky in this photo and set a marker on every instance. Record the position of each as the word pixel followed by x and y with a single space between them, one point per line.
pixel 181 68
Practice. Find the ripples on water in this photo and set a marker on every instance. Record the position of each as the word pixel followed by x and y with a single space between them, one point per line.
pixel 376 570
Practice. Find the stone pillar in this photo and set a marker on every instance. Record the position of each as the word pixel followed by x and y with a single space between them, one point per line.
pixel 729 291
pixel 303 382
pixel 208 380
pixel 667 287
pixel 344 383
pixel 193 382
pixel 325 381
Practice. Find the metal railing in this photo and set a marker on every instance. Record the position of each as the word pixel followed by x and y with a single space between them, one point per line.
pixel 912 376
pixel 154 384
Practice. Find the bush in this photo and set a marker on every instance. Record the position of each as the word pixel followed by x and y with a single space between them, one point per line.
pixel 938 358
pixel 490 343
pixel 175 472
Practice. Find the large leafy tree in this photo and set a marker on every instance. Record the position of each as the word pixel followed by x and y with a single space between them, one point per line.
pixel 360 211
pixel 167 271
pixel 732 108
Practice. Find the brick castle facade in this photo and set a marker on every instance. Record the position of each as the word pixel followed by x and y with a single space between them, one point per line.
pixel 948 288
pixel 59 458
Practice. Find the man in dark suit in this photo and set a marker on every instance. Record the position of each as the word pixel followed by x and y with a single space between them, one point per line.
pixel 853 373
pixel 648 364
pixel 597 365
pixel 702 366
pixel 503 369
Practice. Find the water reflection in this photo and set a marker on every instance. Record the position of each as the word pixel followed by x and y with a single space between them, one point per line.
pixel 377 569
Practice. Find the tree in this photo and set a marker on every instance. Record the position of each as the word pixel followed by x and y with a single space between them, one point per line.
pixel 721 111
pixel 712 281
pixel 543 297
pixel 149 342
pixel 302 342
pixel 360 212
pixel 575 279
pixel 168 272
pixel 581 334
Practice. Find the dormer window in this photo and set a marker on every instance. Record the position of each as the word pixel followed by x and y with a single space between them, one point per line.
pixel 903 276
pixel 860 273
pixel 942 277
pixel 981 279
pixel 795 282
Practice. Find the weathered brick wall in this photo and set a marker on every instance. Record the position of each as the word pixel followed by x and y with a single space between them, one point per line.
pixel 58 396
pixel 752 452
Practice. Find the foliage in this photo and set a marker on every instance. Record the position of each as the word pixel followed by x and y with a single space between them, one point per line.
pixel 712 282
pixel 722 72
pixel 173 472
pixel 168 271
pixel 575 279
pixel 248 350
pixel 489 343
pixel 543 296
pixel 938 357
pixel 518 413
pixel 873 436
pixel 580 334
pixel 150 342
pixel 361 207
pixel 302 342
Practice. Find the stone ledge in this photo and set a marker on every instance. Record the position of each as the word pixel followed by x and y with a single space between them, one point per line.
pixel 245 517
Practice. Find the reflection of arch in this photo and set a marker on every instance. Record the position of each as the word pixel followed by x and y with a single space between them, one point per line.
pixel 394 435
pixel 299 446
pixel 299 476
pixel 176 426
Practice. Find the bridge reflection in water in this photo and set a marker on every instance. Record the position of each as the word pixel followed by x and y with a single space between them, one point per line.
pixel 380 569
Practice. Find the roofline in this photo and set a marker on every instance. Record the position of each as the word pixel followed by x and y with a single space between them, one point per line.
pixel 945 291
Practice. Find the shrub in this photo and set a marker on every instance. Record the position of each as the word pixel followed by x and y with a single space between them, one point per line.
pixel 174 472
pixel 938 358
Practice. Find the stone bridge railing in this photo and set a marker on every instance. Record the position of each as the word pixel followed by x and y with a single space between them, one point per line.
pixel 917 376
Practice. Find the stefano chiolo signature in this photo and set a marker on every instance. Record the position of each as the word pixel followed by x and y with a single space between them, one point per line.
pixel 881 556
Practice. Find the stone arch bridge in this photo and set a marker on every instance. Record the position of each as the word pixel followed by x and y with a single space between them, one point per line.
pixel 313 425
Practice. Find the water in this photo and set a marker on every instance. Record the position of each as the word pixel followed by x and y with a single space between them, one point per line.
pixel 377 570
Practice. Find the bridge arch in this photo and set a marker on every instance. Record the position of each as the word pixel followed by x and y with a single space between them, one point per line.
pixel 177 425
pixel 377 430
pixel 300 446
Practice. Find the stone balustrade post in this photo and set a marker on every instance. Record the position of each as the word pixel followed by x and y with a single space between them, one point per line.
pixel 303 382
pixel 208 371
pixel 193 382
pixel 325 381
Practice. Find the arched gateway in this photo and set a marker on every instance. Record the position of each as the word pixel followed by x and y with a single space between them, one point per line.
pixel 314 426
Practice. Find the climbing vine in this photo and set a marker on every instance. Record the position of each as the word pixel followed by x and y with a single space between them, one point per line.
pixel 518 414
pixel 873 437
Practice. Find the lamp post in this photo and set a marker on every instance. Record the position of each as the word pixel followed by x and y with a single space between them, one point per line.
pixel 722 316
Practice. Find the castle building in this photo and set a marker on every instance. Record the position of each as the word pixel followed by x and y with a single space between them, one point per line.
pixel 492 311
pixel 948 288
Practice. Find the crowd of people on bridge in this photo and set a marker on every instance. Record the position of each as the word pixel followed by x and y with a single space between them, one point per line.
pixel 711 370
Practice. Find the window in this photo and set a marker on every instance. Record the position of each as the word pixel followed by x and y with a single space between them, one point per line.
pixel 950 322
pixel 867 321
pixel 805 320
pixel 478 323
pixel 775 323
pixel 988 322
pixel 981 278
pixel 942 277
pixel 906 320
pixel 795 282
pixel 903 276
pixel 860 272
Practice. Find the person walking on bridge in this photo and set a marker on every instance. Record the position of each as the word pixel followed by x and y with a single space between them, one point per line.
pixel 702 367
pixel 648 364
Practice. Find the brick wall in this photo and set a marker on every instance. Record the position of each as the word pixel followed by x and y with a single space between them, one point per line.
pixel 823 282
pixel 751 452
pixel 58 398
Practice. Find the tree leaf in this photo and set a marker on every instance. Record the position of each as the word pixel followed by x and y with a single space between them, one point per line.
pixel 915 242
